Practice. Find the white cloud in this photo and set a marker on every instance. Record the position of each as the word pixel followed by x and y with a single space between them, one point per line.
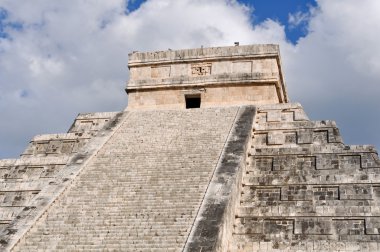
pixel 298 18
pixel 334 70
pixel 71 57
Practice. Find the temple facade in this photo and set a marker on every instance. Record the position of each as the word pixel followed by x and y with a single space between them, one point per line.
pixel 209 155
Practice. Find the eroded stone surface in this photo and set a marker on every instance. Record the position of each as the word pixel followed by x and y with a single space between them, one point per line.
pixel 153 179
pixel 237 75
pixel 304 190
pixel 30 184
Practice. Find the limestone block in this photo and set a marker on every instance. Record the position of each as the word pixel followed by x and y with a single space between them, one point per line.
pixel 313 226
pixel 305 136
pixel 273 115
pixel 330 190
pixel 275 138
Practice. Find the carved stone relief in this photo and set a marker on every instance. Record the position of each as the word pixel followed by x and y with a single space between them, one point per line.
pixel 201 69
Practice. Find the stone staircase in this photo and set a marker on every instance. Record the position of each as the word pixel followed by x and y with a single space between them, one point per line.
pixel 304 190
pixel 135 181
pixel 142 190
pixel 29 184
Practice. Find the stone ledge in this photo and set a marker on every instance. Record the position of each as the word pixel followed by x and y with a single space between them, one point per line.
pixel 202 54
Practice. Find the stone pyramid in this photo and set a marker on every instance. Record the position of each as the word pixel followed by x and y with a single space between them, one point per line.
pixel 209 155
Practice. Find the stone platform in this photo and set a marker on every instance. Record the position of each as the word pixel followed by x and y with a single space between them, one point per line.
pixel 303 189
pixel 208 156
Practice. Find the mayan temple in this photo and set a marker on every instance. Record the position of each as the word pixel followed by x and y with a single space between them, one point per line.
pixel 209 155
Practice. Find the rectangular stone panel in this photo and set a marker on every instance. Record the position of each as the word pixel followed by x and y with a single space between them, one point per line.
pixel 284 163
pixel 54 147
pixel 67 146
pixel 275 138
pixel 349 226
pixel 306 162
pixel 91 122
pixel 263 163
pixel 139 73
pixel 33 172
pixel 313 226
pixel 14 172
pixel 160 72
pixel 249 226
pixel 326 192
pixel 177 70
pixel 327 162
pixel 300 115
pixel 24 172
pixel 274 115
pixel 290 137
pixel 355 192
pixel 278 226
pixel 41 148
pixel 296 193
pixel 267 194
pixel 349 162
pixel 200 69
pixel 320 136
pixel 261 117
pixel 242 67
pixel 305 136
pixel 287 116
pixel 265 66
pixel 79 144
pixel 84 125
pixel 369 160
pixel 334 135
pixel 260 139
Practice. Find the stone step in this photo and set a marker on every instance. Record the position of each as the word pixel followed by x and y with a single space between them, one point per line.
pixel 144 188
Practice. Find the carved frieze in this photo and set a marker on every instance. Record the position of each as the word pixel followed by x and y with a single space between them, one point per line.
pixel 201 69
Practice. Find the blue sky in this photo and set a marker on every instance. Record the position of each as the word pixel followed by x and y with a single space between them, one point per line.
pixel 59 58
pixel 280 10
pixel 268 9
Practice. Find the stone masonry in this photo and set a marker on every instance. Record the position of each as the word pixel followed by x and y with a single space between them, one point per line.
pixel 304 190
pixel 219 76
pixel 209 155
pixel 30 184
pixel 143 188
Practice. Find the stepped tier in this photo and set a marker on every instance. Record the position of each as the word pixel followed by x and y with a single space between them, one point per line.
pixel 30 184
pixel 304 190
pixel 208 156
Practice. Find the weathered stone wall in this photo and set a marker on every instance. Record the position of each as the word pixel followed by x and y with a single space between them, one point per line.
pixel 30 184
pixel 239 75
pixel 212 96
pixel 153 179
pixel 304 190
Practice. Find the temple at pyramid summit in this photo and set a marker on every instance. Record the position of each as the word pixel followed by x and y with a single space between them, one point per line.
pixel 209 155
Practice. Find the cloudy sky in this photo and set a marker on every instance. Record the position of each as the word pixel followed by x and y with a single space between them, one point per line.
pixel 59 58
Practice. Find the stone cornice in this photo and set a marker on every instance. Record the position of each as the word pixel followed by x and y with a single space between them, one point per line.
pixel 202 54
